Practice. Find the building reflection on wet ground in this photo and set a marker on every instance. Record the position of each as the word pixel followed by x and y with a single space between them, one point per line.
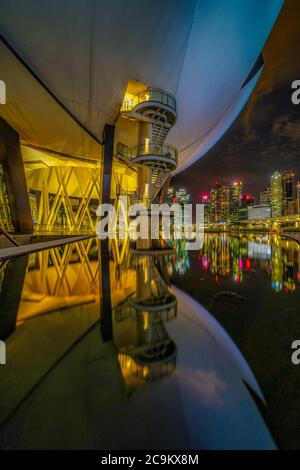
pixel 105 352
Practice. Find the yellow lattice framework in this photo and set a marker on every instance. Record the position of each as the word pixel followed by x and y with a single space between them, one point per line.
pixel 66 198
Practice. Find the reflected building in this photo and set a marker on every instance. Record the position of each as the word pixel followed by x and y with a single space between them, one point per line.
pixel 160 334
pixel 277 268
pixel 230 257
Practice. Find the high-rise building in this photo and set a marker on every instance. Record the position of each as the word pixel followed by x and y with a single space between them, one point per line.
pixel 259 212
pixel 265 197
pixel 224 203
pixel 177 196
pixel 291 208
pixel 170 196
pixel 246 202
pixel 288 186
pixel 276 194
pixel 220 203
pixel 214 209
pixel 236 200
pixel 182 197
pixel 206 202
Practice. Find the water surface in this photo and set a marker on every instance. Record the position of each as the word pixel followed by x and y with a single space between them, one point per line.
pixel 128 351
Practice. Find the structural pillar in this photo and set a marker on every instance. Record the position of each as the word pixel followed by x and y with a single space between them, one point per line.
pixel 13 168
pixel 106 308
pixel 108 154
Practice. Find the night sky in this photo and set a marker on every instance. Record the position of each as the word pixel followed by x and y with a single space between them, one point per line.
pixel 266 135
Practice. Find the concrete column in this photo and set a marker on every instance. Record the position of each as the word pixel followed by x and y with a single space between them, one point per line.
pixel 108 153
pixel 13 167
pixel 106 308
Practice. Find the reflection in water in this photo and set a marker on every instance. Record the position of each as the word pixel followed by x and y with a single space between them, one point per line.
pixel 232 256
pixel 146 351
pixel 12 276
pixel 108 343
pixel 60 278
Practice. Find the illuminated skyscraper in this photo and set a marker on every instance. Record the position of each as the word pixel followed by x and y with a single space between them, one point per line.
pixel 246 202
pixel 220 203
pixel 224 203
pixel 288 188
pixel 265 197
pixel 276 194
pixel 214 205
pixel 182 197
pixel 236 198
pixel 206 202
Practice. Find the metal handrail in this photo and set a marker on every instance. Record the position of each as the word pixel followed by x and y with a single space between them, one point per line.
pixel 151 94
pixel 9 237
pixel 124 151
pixel 153 149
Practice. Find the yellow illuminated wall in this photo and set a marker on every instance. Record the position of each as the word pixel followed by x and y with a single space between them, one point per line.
pixel 64 193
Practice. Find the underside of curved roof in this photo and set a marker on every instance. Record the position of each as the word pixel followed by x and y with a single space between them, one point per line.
pixel 67 63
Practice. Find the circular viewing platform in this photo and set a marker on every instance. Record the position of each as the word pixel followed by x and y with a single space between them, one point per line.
pixel 152 104
pixel 161 156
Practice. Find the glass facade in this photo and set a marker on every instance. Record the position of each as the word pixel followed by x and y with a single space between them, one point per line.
pixel 276 194
pixel 5 214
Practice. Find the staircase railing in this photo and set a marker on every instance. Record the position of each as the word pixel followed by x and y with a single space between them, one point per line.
pixel 151 94
pixel 160 150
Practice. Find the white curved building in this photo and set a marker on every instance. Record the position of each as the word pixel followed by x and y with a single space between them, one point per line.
pixel 68 64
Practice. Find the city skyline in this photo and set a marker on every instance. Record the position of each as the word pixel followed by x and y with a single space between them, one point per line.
pixel 229 203
pixel 266 135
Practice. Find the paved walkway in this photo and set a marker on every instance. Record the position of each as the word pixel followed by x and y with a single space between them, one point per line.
pixel 14 251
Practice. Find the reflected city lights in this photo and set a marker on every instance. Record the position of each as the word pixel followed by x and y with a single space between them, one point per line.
pixel 229 256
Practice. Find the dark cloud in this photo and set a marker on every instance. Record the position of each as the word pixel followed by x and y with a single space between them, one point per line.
pixel 266 135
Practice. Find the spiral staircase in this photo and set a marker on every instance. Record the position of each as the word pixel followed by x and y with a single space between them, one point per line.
pixel 158 109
